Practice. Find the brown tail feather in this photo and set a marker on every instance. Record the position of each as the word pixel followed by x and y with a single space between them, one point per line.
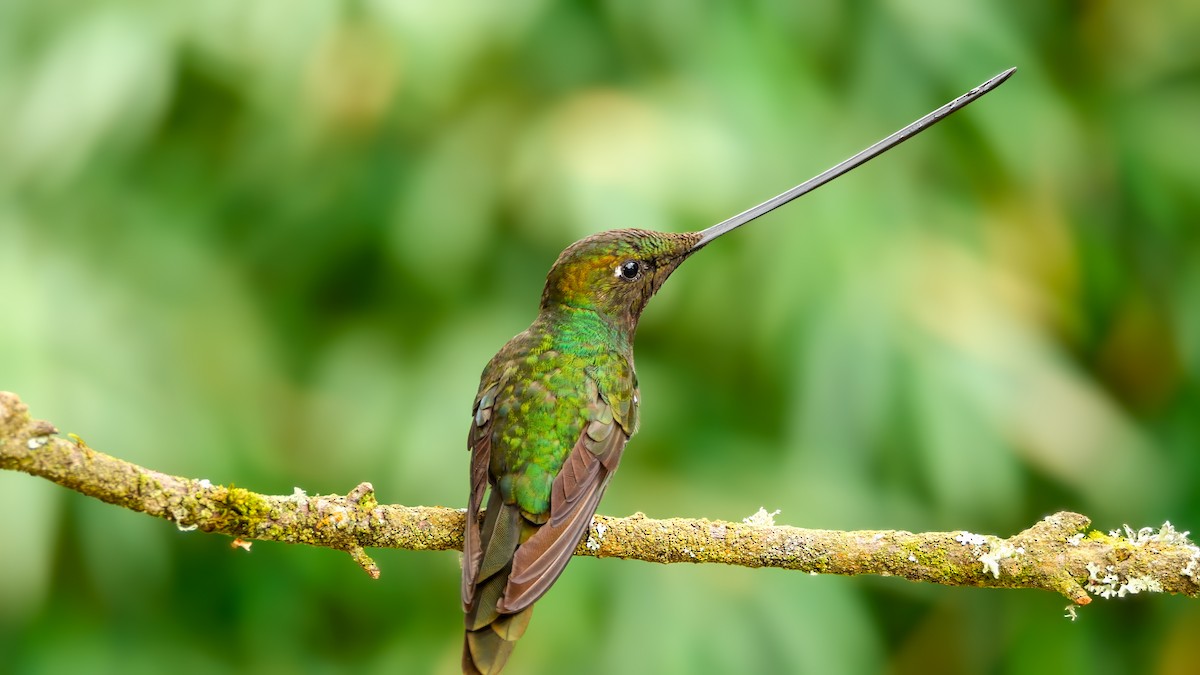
pixel 491 635
pixel 486 650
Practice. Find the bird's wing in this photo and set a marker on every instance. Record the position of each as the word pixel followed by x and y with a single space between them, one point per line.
pixel 574 495
pixel 479 442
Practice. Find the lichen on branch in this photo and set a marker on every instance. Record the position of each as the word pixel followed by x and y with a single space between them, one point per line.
pixel 1058 553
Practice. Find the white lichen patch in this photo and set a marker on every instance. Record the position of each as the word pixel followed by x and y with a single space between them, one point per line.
pixel 37 442
pixel 762 518
pixel 204 483
pixel 970 539
pixel 996 550
pixel 1106 583
pixel 1075 540
pixel 300 495
pixel 1139 584
pixel 1189 570
pixel 991 559
pixel 1104 586
pixel 1167 534
pixel 912 558
pixel 595 535
pixel 178 515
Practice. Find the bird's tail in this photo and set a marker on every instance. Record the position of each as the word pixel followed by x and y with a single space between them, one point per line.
pixel 490 635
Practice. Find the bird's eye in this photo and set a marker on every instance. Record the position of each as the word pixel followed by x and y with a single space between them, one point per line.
pixel 629 270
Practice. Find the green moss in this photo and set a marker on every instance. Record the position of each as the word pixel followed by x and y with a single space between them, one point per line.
pixel 368 502
pixel 148 483
pixel 934 559
pixel 247 503
pixel 239 511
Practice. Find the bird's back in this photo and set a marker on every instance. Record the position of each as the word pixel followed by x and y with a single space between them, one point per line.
pixel 554 410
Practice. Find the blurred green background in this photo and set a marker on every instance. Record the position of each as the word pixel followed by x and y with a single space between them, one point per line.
pixel 274 243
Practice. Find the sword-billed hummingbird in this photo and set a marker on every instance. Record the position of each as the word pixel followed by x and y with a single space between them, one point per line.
pixel 557 404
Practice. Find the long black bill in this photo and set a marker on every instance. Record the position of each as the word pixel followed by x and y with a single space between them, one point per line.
pixel 861 158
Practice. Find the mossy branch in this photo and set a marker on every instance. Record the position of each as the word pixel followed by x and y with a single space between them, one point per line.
pixel 1057 554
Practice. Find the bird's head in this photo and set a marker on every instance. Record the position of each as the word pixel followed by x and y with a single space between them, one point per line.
pixel 615 273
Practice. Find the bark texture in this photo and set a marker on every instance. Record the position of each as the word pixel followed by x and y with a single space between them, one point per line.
pixel 1058 553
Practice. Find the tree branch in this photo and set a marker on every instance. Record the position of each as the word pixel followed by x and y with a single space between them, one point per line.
pixel 1056 554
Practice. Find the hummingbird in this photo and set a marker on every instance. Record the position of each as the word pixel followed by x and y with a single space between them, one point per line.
pixel 557 404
